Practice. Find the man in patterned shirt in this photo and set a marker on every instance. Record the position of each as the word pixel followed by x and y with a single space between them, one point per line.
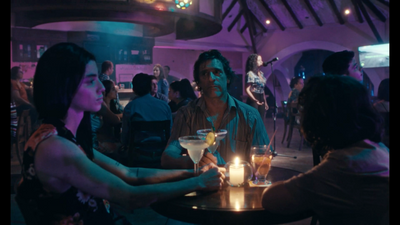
pixel 217 108
pixel 107 68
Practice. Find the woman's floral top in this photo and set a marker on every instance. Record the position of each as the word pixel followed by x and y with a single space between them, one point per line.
pixel 257 83
pixel 73 207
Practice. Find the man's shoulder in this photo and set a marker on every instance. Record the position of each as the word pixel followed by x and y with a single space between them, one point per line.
pixel 244 107
pixel 161 96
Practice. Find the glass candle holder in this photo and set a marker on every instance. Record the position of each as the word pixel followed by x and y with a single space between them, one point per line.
pixel 238 172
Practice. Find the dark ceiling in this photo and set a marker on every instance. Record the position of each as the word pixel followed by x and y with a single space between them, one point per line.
pixel 284 14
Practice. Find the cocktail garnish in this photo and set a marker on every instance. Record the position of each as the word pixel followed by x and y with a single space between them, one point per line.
pixel 210 138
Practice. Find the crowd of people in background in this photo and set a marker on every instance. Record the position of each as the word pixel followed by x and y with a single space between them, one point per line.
pixel 83 129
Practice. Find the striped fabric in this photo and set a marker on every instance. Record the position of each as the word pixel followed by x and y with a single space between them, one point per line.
pixel 14 119
pixel 243 123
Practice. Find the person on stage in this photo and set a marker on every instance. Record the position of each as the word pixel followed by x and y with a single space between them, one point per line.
pixel 255 83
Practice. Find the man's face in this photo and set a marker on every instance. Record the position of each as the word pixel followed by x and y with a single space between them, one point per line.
pixel 212 79
pixel 20 74
pixel 166 70
pixel 300 84
pixel 355 70
pixel 111 69
pixel 154 86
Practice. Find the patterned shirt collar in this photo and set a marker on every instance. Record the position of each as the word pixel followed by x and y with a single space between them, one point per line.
pixel 202 103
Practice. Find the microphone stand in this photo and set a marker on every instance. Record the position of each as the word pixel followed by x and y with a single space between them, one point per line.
pixel 275 108
pixel 274 112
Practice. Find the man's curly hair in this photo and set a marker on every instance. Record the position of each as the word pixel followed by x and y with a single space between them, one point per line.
pixel 210 55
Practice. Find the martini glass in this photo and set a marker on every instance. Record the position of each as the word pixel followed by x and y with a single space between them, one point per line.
pixel 219 135
pixel 195 145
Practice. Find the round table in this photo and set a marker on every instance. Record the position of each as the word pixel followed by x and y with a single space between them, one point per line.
pixel 231 205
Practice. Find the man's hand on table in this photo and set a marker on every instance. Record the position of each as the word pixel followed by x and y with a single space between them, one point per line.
pixel 211 177
pixel 207 159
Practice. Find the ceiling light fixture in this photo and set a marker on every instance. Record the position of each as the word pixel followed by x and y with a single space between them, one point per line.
pixel 268 22
pixel 347 11
pixel 183 4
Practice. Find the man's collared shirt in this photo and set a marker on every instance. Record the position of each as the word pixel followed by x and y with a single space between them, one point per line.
pixel 161 97
pixel 243 123
pixel 143 108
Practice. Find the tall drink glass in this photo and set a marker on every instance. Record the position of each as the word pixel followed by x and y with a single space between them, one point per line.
pixel 261 157
pixel 195 146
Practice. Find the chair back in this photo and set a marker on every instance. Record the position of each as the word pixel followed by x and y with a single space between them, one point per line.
pixel 24 130
pixel 147 141
pixel 28 208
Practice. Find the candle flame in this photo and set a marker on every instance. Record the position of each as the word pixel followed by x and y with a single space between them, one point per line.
pixel 236 161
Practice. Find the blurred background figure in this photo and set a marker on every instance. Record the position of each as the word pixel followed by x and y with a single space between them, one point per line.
pixel 19 93
pixel 154 90
pixel 382 106
pixel 296 84
pixel 180 94
pixel 382 103
pixel 106 125
pixel 107 69
pixel 342 63
pixel 158 72
pixel 169 77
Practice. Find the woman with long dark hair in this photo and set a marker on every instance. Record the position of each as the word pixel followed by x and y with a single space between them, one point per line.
pixel 180 93
pixel 255 84
pixel 63 177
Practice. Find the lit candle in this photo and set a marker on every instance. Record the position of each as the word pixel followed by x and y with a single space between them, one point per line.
pixel 236 173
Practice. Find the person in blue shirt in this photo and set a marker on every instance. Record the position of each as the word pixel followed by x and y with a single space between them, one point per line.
pixel 144 107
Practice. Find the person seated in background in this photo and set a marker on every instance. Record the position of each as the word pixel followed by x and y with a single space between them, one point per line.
pixel 382 106
pixel 382 103
pixel 63 178
pixel 107 69
pixel 296 85
pixel 154 90
pixel 342 63
pixel 351 183
pixel 144 107
pixel 169 77
pixel 215 108
pixel 180 93
pixel 106 125
pixel 162 83
pixel 19 94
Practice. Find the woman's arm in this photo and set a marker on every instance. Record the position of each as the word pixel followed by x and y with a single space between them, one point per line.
pixel 17 98
pixel 265 102
pixel 139 176
pixel 250 94
pixel 59 162
pixel 108 116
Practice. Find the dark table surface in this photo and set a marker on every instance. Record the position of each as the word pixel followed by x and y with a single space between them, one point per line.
pixel 231 205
